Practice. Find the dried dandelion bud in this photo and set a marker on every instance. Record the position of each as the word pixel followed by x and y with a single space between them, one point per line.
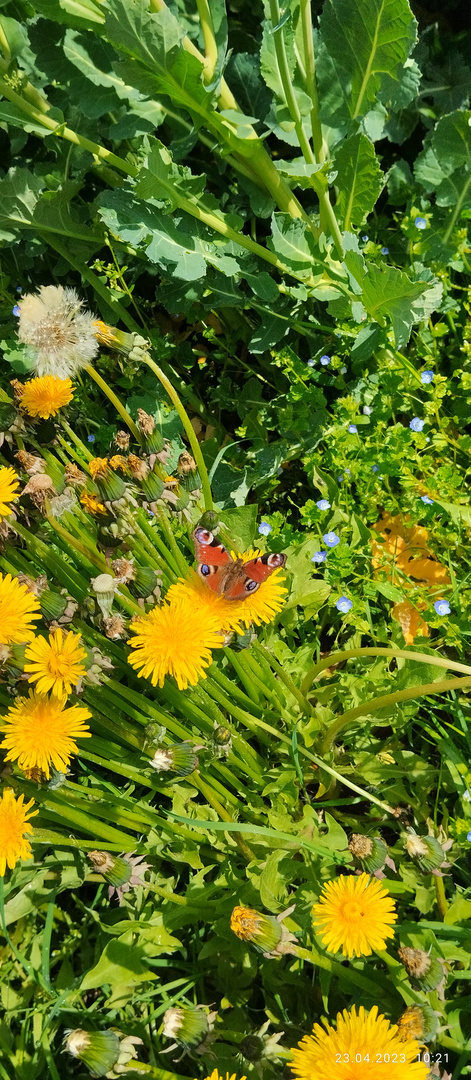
pixel 421 966
pixel 179 759
pixel 105 588
pixel 124 570
pixel 31 463
pixel 370 851
pixel 99 1050
pixel 186 464
pixel 417 1022
pixel 115 869
pixel 154 441
pixel 122 439
pixel 426 850
pixel 152 486
pixel 187 1026
pixel 114 627
pixel 110 485
pixel 60 335
pixel 73 475
pixel 139 469
pixel 119 462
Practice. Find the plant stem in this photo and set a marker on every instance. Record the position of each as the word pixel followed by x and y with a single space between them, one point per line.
pixel 388 699
pixel 310 79
pixel 120 408
pixel 406 654
pixel 442 902
pixel 185 419
pixel 210 47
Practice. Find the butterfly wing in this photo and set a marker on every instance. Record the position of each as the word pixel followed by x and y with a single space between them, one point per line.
pixel 213 559
pixel 251 575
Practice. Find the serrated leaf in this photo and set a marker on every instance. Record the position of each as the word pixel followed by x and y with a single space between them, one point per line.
pixel 294 243
pixel 359 180
pixel 365 46
pixel 389 293
pixel 19 192
pixel 445 164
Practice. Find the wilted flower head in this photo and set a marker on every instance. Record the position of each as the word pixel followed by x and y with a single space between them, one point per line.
pixel 60 335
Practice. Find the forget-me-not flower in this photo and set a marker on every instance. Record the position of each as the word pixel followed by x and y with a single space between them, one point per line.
pixel 311 362
pixel 344 604
pixel 264 528
pixel 469 837
pixel 426 377
pixel 416 424
pixel 442 607
pixel 385 251
pixel 365 239
pixel 331 539
pixel 425 499
pixel 16 311
pixel 467 796
pixel 352 429
pixel 319 556
pixel 90 438
pixel 367 410
pixel 323 504
pixel 375 468
pixel 420 223
pixel 324 360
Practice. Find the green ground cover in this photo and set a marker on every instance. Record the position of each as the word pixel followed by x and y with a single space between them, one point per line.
pixel 235 297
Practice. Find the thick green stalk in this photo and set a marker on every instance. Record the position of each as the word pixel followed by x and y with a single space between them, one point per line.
pixel 185 419
pixel 120 408
pixel 406 654
pixel 385 700
pixel 345 974
pixel 310 79
pixel 210 47
pixel 306 706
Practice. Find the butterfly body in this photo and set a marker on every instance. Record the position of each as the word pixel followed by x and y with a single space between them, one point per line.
pixel 232 578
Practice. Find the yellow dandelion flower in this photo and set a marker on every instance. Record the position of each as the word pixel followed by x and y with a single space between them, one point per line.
pixel 40 732
pixel 13 825
pixel 99 467
pixel 194 592
pixel 119 462
pixel 354 914
pixel 92 504
pixel 55 664
pixel 364 1046
pixel 18 607
pixel 44 397
pixel 8 490
pixel 215 1076
pixel 175 639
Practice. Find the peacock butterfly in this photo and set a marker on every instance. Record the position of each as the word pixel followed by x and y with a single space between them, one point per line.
pixel 232 578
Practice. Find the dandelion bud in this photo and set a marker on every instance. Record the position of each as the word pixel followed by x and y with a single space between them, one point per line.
pixel 110 485
pixel 154 440
pixel 266 932
pixel 417 1022
pixel 145 581
pixel 99 1050
pixel 122 440
pixel 105 587
pixel 187 1026
pixel 426 850
pixel 251 1048
pixel 52 605
pixel 91 503
pixel 59 334
pixel 371 852
pixel 115 869
pixel 186 464
pixel 124 570
pixel 138 468
pixel 419 965
pixel 7 415
pixel 152 486
pixel 182 500
pixel 179 759
pixel 114 627
pixel 30 462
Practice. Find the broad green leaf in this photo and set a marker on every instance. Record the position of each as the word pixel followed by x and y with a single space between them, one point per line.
pixel 94 59
pixel 445 164
pixel 359 180
pixel 243 76
pixel 365 46
pixel 19 192
pixel 294 243
pixel 389 293
pixel 84 14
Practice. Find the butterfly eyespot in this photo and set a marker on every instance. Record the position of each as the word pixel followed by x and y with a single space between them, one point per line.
pixel 204 536
pixel 275 560
pixel 205 570
pixel 250 586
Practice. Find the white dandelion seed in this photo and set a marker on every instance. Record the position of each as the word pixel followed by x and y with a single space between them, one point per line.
pixel 60 335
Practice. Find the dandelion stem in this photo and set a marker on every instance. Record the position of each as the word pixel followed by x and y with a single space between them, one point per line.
pixel 120 408
pixel 406 654
pixel 185 419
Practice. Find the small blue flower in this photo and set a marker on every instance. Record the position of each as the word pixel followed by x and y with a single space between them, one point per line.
pixel 319 556
pixel 425 499
pixel 467 796
pixel 264 528
pixel 385 251
pixel 420 223
pixel 352 429
pixel 365 239
pixel 344 604
pixel 323 504
pixel 19 289
pixel 426 377
pixel 416 424
pixel 325 360
pixel 331 539
pixel 375 468
pixel 340 478
pixel 367 410
pixel 16 311
pixel 442 607
pixel 469 837
pixel 90 438
pixel 347 472
pixel 311 362
pixel 150 513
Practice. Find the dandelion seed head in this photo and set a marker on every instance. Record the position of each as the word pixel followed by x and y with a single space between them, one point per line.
pixel 59 333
